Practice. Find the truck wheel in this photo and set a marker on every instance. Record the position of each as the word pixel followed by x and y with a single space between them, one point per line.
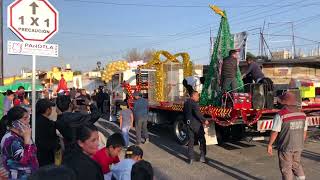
pixel 223 134
pixel 237 132
pixel 180 132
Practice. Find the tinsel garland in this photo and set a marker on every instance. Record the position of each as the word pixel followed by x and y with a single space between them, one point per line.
pixel 211 92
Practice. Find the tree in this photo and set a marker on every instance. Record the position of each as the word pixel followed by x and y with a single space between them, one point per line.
pixel 250 55
pixel 147 54
pixel 211 91
pixel 75 73
pixel 133 55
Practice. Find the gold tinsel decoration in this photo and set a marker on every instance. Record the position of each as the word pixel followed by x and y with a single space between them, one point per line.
pixel 156 63
pixel 112 68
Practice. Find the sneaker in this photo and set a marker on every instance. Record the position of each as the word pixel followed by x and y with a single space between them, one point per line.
pixel 203 159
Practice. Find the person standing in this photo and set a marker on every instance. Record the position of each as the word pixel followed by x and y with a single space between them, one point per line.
pixel 254 70
pixel 122 170
pixel 82 102
pixel 142 170
pixel 19 153
pixel 140 112
pixel 94 96
pixel 80 159
pixel 100 99
pixel 195 121
pixel 290 126
pixel 109 155
pixel 62 85
pixel 20 96
pixel 106 102
pixel 46 138
pixel 229 71
pixel 8 102
pixel 126 123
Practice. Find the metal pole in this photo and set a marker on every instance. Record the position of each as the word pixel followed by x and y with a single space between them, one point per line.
pixel 293 43
pixel 1 42
pixel 33 97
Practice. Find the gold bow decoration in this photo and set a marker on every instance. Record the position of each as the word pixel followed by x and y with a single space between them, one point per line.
pixel 217 10
pixel 160 75
pixel 112 68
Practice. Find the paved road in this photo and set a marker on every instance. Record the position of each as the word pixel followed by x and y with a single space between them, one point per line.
pixel 237 160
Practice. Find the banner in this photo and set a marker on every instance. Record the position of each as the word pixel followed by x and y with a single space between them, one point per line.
pixel 32 48
pixel 240 42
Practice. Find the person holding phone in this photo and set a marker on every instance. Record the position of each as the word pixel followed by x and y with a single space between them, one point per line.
pixel 82 102
pixel 19 153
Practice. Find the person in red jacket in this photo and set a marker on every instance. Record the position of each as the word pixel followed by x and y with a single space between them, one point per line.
pixel 19 96
pixel 110 154
pixel 62 85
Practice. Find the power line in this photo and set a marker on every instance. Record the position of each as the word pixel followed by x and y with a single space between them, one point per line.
pixel 302 21
pixel 187 35
pixel 147 36
pixel 177 34
pixel 175 5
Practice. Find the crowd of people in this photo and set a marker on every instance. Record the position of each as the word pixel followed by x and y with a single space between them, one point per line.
pixel 68 147
pixel 71 147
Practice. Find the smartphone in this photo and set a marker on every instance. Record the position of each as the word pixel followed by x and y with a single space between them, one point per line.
pixel 80 102
pixel 18 125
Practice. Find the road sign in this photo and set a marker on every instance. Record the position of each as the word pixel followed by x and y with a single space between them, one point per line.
pixel 33 20
pixel 32 48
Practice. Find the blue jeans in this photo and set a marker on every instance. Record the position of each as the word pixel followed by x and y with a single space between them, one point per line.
pixel 125 134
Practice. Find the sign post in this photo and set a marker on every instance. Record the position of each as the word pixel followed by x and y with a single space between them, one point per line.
pixel 34 22
pixel 33 94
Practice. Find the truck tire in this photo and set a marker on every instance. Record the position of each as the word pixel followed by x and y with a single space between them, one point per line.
pixel 180 132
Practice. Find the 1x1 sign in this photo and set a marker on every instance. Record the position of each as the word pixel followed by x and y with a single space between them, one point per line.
pixel 33 48
pixel 33 20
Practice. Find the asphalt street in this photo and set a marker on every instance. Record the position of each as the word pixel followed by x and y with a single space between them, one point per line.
pixel 237 160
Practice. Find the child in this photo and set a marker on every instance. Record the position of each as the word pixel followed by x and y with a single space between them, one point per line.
pixel 122 170
pixel 126 122
pixel 109 155
pixel 142 170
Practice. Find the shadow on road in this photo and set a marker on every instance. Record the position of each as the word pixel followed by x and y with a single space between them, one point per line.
pixel 231 171
pixel 167 144
pixel 311 155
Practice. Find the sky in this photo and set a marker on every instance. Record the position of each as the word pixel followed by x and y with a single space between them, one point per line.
pixel 104 30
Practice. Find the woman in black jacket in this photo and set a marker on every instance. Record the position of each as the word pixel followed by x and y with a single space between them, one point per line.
pixel 80 160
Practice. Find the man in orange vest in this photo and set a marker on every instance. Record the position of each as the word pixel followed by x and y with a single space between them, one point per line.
pixel 290 126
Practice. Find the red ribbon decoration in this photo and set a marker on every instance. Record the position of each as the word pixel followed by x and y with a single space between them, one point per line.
pixel 256 113
pixel 223 120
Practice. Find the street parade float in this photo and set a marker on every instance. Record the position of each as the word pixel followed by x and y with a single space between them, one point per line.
pixel 250 107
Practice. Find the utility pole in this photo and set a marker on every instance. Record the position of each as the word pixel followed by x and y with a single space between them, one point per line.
pixel 1 43
pixel 262 37
pixel 293 43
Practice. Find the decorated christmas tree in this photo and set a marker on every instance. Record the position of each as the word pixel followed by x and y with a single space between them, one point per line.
pixel 224 42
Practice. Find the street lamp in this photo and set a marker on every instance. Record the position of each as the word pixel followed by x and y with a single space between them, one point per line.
pixel 98 65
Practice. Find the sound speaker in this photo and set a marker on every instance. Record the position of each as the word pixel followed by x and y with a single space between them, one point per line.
pixel 258 97
pixel 269 100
